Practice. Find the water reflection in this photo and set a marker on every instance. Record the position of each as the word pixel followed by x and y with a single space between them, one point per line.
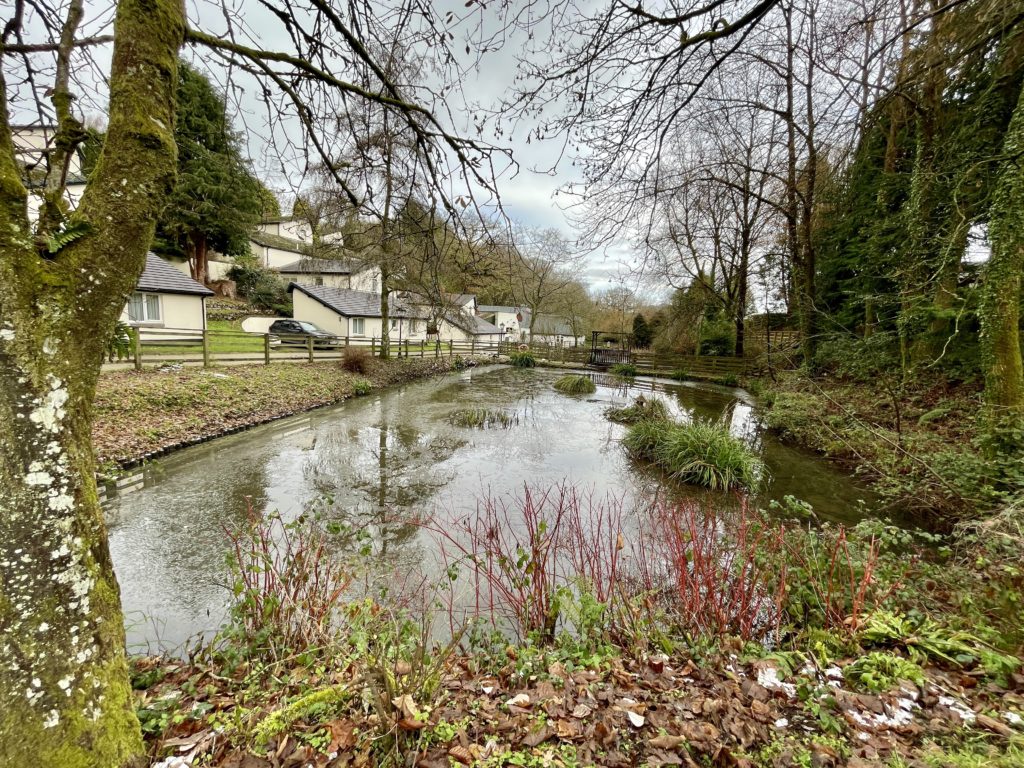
pixel 375 462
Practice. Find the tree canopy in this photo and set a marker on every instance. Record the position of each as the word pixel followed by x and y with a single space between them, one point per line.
pixel 216 200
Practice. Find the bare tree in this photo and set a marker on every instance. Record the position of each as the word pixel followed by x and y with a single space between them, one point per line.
pixel 65 698
pixel 544 265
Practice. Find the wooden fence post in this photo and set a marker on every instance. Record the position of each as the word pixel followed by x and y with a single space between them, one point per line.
pixel 206 348
pixel 373 346
pixel 137 349
pixel 472 345
pixel 266 348
pixel 309 347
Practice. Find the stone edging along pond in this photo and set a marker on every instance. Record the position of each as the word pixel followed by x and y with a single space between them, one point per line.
pixel 141 416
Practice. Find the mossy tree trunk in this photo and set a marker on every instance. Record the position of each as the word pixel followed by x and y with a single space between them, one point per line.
pixel 65 697
pixel 1001 292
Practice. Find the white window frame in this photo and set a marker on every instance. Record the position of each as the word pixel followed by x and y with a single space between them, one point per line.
pixel 358 326
pixel 147 316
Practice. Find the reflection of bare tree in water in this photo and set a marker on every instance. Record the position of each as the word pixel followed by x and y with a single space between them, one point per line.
pixel 374 490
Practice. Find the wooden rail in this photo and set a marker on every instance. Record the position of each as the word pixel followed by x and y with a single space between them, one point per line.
pixel 195 347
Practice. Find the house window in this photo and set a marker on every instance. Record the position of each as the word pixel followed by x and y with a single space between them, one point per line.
pixel 318 281
pixel 394 324
pixel 358 326
pixel 414 326
pixel 144 308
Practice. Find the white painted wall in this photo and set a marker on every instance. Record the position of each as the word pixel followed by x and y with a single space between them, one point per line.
pixel 367 280
pixel 306 308
pixel 273 257
pixel 73 194
pixel 177 312
pixel 257 324
pixel 310 278
pixel 513 328
pixel 312 311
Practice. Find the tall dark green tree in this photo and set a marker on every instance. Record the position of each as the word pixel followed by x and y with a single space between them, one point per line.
pixel 643 334
pixel 216 201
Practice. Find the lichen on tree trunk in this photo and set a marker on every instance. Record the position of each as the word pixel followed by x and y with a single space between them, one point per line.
pixel 65 697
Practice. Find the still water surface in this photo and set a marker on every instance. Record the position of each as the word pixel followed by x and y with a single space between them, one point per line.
pixel 369 460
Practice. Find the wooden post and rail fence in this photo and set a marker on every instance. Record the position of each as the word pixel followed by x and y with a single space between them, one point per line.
pixel 154 347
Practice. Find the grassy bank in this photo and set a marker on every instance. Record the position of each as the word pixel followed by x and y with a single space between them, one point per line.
pixel 139 414
pixel 923 446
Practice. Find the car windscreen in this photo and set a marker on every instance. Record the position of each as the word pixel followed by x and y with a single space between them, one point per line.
pixel 310 328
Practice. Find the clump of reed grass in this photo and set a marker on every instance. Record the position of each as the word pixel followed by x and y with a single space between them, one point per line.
pixel 576 385
pixel 522 359
pixel 484 418
pixel 642 409
pixel 626 370
pixel 697 453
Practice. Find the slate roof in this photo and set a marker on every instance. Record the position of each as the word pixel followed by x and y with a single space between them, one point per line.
pixel 472 324
pixel 353 303
pixel 497 308
pixel 281 243
pixel 319 267
pixel 549 326
pixel 161 277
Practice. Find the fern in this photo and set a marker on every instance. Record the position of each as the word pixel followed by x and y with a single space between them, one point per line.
pixel 74 230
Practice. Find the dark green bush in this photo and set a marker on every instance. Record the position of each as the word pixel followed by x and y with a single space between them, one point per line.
pixel 718 338
pixel 261 287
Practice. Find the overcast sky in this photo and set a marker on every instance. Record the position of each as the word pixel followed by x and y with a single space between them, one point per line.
pixel 529 195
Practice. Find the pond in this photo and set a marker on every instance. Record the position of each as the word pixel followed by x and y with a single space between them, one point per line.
pixel 376 459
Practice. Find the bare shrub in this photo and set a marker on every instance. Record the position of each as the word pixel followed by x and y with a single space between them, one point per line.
pixel 676 564
pixel 357 360
pixel 287 586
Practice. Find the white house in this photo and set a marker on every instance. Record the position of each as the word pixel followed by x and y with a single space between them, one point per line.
pixel 274 251
pixel 32 147
pixel 461 326
pixel 166 300
pixel 332 274
pixel 513 322
pixel 355 314
pixel 556 331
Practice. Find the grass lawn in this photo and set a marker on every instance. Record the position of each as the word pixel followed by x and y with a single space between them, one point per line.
pixel 226 336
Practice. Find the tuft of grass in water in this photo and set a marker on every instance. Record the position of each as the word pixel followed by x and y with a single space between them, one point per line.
pixel 642 409
pixel 728 380
pixel 680 374
pixel 576 385
pixel 484 418
pixel 626 370
pixel 697 453
pixel 361 387
pixel 522 360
